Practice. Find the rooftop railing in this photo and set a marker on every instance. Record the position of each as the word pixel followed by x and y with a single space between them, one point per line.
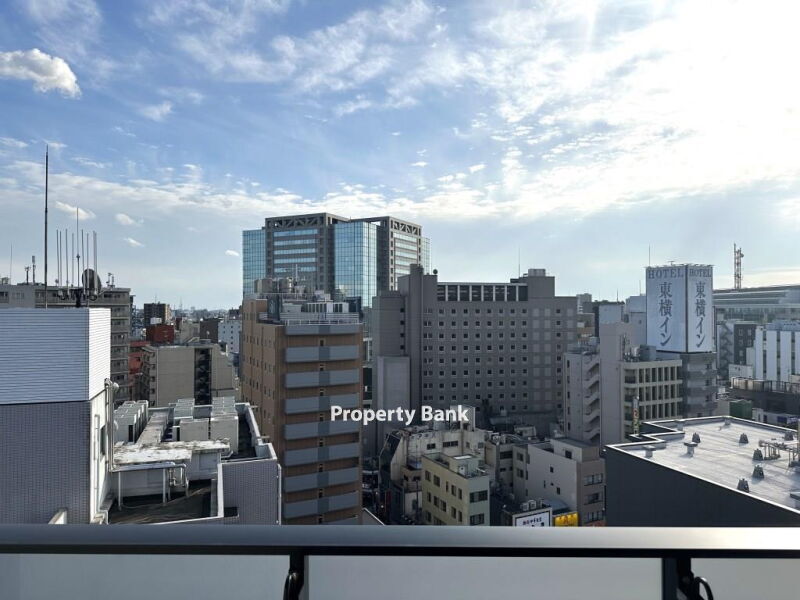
pixel 672 549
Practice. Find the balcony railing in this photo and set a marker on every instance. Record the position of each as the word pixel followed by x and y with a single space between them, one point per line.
pixel 304 546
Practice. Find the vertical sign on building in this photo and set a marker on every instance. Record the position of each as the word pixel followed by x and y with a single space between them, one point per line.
pixel 700 308
pixel 666 308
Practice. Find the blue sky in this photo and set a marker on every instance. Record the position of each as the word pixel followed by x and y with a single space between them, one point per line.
pixel 573 133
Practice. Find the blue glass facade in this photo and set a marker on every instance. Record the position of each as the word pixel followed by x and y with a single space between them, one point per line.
pixel 356 260
pixel 254 258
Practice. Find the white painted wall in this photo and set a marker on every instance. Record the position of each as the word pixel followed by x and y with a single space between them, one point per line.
pixel 58 355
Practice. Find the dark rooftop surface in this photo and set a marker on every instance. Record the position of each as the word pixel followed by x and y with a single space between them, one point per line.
pixel 149 509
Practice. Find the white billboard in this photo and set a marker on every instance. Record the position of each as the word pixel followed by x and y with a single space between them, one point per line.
pixel 542 517
pixel 666 308
pixel 700 308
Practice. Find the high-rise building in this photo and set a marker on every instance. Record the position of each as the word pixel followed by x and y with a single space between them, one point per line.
pixel 356 260
pixel 680 324
pixel 117 299
pixel 299 357
pixel 343 257
pixel 495 346
pixel 254 258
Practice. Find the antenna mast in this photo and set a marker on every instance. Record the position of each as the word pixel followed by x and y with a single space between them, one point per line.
pixel 46 180
pixel 737 267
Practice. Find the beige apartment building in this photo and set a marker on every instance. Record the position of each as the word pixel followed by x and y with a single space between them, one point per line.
pixel 297 360
pixel 199 371
pixel 455 491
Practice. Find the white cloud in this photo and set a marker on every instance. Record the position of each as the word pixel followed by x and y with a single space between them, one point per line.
pixel 13 143
pixel 126 220
pixel 419 163
pixel 46 72
pixel 476 168
pixel 396 133
pixel 88 162
pixel 83 214
pixel 226 41
pixel 157 112
pixel 133 243
pixel 351 106
pixel 231 253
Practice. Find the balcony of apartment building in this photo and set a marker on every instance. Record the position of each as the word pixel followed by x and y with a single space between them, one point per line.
pixel 360 562
pixel 303 354
pixel 305 456
pixel 317 429
pixel 305 379
pixel 314 404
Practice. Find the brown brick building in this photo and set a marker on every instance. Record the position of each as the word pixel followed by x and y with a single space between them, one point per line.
pixel 293 370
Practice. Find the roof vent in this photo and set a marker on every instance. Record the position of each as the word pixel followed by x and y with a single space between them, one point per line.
pixel 743 439
pixel 795 495
pixel 743 486
pixel 690 446
pixel 648 450
pixel 758 472
pixel 757 454
pixel 727 421
pixel 696 437
pixel 679 425
pixel 788 436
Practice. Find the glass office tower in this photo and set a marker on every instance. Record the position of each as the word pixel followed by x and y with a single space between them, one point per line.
pixel 356 260
pixel 254 258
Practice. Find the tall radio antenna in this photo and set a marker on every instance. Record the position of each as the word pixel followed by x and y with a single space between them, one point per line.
pixel 737 267
pixel 46 181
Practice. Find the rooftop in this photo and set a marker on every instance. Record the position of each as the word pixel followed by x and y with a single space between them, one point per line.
pixel 722 456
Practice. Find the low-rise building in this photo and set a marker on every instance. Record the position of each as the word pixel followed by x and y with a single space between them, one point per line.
pixel 198 370
pixel 455 490
pixel 191 463
pixel 562 470
pixel 705 472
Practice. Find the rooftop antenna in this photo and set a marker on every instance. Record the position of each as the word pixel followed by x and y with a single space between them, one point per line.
pixel 11 264
pixel 33 264
pixel 46 181
pixel 737 267
pixel 648 255
pixel 519 263
pixel 77 247
pixel 27 272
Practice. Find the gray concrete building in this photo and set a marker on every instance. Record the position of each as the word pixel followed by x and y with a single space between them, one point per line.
pixel 704 472
pixel 495 346
pixel 761 305
pixel 733 339
pixel 118 300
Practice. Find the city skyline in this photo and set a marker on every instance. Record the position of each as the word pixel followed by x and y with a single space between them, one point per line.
pixel 521 137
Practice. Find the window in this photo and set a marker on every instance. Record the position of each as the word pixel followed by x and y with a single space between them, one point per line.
pixel 481 496
pixel 476 519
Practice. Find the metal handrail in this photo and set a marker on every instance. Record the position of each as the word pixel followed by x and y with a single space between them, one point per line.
pixel 674 546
